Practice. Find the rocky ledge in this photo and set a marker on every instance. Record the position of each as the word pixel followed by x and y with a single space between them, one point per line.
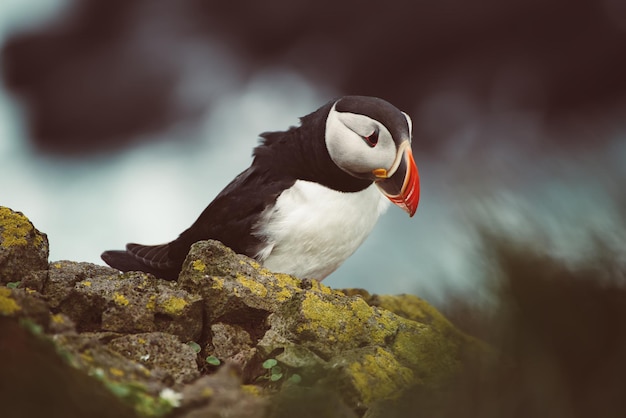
pixel 228 336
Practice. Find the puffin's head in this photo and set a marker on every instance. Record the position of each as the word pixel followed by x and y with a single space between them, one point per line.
pixel 370 138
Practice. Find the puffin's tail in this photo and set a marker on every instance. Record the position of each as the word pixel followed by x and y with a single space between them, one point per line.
pixel 152 259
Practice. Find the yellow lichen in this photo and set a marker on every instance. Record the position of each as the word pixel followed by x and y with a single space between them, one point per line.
pixel 324 315
pixel 284 286
pixel 120 299
pixel 283 294
pixel 207 392
pixel 378 376
pixel 58 319
pixel 86 357
pixel 426 341
pixel 343 323
pixel 116 372
pixel 151 304
pixel 254 286
pixel 414 308
pixel 8 305
pixel 218 283
pixel 426 350
pixel 318 286
pixel 286 280
pixel 252 390
pixel 141 340
pixel 16 228
pixel 57 265
pixel 255 265
pixel 86 283
pixel 265 272
pixel 198 265
pixel 144 371
pixel 174 305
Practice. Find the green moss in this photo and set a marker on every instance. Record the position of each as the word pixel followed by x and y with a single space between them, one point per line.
pixel 427 351
pixel 345 323
pixel 426 341
pixel 378 376
pixel 414 308
pixel 8 305
pixel 135 395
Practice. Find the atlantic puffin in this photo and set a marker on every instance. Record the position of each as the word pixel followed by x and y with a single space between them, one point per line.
pixel 309 199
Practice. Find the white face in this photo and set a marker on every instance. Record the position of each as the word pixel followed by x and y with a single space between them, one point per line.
pixel 360 145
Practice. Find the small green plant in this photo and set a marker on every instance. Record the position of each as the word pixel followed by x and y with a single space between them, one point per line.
pixel 276 372
pixel 269 363
pixel 213 361
pixel 195 346
pixel 13 285
pixel 32 326
pixel 295 379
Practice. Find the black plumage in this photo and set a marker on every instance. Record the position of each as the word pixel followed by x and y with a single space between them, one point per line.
pixel 282 158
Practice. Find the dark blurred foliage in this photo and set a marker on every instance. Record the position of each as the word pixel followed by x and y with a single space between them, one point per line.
pixel 97 79
pixel 561 334
pixel 36 382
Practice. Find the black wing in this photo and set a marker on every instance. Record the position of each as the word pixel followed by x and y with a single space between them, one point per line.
pixel 230 219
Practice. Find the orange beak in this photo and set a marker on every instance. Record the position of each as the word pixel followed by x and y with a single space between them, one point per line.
pixel 403 187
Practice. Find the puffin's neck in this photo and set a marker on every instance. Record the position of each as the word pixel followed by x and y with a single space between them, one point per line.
pixel 301 153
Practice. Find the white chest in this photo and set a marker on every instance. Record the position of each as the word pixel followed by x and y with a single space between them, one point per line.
pixel 312 230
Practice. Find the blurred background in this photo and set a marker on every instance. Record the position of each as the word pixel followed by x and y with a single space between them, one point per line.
pixel 121 120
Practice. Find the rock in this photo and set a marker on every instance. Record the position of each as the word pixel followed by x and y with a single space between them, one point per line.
pixel 21 304
pixel 316 331
pixel 90 352
pixel 228 340
pixel 236 289
pixel 155 352
pixel 280 340
pixel 133 303
pixel 233 345
pixel 371 374
pixel 63 275
pixel 211 396
pixel 374 352
pixel 23 249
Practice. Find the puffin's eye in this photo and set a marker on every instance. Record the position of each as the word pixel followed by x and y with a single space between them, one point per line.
pixel 372 139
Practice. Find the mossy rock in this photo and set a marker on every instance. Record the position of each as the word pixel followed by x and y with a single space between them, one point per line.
pixel 146 340
pixel 315 331
pixel 133 302
pixel 23 249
